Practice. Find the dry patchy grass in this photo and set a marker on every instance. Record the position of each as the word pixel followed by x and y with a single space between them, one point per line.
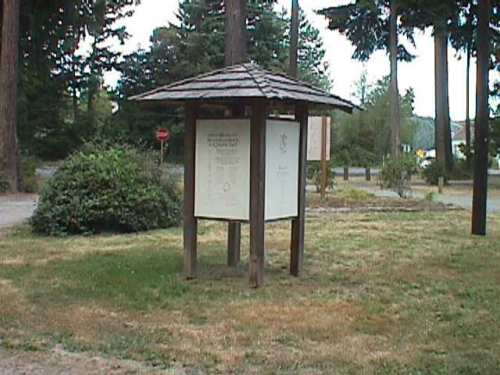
pixel 380 293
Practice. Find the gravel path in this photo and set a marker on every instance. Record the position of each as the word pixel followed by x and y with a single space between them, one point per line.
pixel 16 208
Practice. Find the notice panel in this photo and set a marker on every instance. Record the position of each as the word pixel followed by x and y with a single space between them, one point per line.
pixel 282 169
pixel 222 169
pixel 314 131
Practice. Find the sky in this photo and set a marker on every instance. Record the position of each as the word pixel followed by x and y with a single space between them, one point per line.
pixel 344 71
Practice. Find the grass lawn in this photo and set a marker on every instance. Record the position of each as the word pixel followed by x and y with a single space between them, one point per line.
pixel 381 293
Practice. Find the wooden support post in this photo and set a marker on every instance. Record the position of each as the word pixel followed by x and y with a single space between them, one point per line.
pixel 233 243
pixel 257 191
pixel 324 166
pixel 161 153
pixel 234 227
pixel 190 222
pixel 440 185
pixel 298 224
pixel 368 174
pixel 346 173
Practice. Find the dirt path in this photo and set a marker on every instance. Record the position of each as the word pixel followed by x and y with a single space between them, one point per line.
pixel 60 362
pixel 16 208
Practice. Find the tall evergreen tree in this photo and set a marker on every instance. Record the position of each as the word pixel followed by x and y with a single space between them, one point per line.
pixel 481 139
pixel 9 152
pixel 372 25
pixel 195 44
pixel 294 38
pixel 236 41
pixel 462 37
pixel 395 117
pixel 439 15
pixel 55 79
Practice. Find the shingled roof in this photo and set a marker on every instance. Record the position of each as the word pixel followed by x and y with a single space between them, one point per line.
pixel 242 82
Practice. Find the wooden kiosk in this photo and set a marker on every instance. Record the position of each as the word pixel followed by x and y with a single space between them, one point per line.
pixel 245 162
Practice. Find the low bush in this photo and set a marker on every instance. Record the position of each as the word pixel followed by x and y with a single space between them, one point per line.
pixel 433 171
pixel 396 174
pixel 354 195
pixel 462 170
pixel 106 188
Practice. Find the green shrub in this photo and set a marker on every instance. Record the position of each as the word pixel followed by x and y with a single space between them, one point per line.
pixel 430 196
pixel 462 170
pixel 396 174
pixel 106 188
pixel 314 175
pixel 313 168
pixel 433 171
pixel 354 195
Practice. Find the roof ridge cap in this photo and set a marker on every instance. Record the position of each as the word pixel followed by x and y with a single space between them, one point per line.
pixel 182 82
pixel 261 80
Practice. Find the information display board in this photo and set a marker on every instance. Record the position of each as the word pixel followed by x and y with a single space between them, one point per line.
pixel 314 138
pixel 282 169
pixel 222 169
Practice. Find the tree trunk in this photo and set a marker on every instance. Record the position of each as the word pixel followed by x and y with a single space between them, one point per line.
pixel 294 39
pixel 395 117
pixel 9 152
pixel 1 24
pixel 236 30
pixel 235 52
pixel 442 107
pixel 481 133
pixel 467 107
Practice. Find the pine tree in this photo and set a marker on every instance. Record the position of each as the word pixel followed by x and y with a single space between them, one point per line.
pixel 481 141
pixel 9 152
pixel 372 25
pixel 54 80
pixel 439 15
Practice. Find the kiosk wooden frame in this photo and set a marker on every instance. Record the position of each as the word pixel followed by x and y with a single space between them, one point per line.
pixel 247 91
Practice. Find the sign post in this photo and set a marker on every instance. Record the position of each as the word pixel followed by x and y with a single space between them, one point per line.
pixel 162 136
pixel 324 166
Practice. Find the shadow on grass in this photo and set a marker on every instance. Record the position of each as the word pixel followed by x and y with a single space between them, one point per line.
pixel 138 279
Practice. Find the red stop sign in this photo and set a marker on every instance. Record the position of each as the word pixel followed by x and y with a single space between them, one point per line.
pixel 163 135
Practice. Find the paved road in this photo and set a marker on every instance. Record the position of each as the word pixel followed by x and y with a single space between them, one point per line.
pixel 15 209
pixel 464 201
pixel 357 171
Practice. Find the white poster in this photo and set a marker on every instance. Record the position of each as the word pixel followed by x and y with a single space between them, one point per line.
pixel 282 169
pixel 222 169
pixel 314 138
